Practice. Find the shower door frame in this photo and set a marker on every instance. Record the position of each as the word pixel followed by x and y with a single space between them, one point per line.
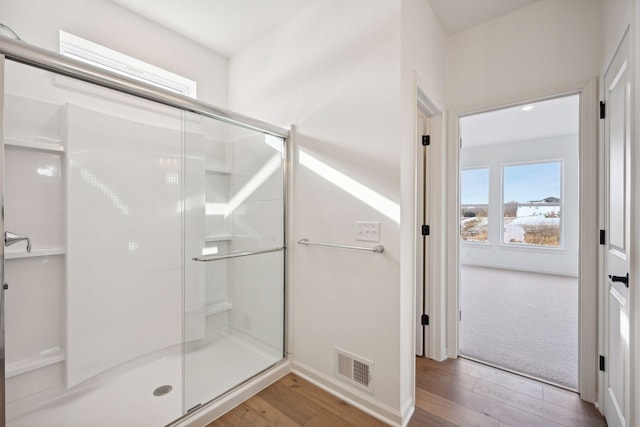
pixel 21 52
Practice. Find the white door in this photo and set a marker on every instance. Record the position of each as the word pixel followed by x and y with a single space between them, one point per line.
pixel 422 250
pixel 617 88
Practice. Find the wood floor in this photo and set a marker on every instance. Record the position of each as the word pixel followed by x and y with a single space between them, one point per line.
pixel 293 401
pixel 452 393
pixel 459 392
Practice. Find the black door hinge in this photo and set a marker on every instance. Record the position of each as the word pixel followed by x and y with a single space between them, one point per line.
pixel 602 237
pixel 602 363
pixel 426 139
pixel 424 320
pixel 603 109
pixel 426 230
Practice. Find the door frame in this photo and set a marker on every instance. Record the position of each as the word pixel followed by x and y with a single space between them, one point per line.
pixel 588 247
pixel 435 283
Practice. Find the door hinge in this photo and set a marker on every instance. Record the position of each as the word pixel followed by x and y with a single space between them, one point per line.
pixel 603 109
pixel 426 139
pixel 602 363
pixel 424 320
pixel 426 230
pixel 602 237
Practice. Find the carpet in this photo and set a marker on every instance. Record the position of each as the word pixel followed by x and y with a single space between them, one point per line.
pixel 525 322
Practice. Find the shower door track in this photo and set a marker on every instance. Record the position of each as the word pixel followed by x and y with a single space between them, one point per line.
pixel 41 58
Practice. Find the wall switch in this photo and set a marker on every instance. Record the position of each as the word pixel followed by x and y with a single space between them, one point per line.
pixel 368 231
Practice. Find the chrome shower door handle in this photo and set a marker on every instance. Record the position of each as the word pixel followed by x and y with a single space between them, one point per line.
pixel 11 238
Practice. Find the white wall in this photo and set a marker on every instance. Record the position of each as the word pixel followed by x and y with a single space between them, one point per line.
pixel 616 17
pixel 548 46
pixel 115 27
pixel 334 72
pixel 562 260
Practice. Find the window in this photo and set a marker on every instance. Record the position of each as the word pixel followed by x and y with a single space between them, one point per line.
pixel 531 204
pixel 108 59
pixel 474 205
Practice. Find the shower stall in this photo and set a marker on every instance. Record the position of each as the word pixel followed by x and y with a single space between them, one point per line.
pixel 144 249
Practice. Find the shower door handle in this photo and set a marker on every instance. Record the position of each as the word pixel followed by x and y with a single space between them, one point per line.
pixel 11 238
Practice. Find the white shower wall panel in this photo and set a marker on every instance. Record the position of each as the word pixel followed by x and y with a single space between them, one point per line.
pixel 257 188
pixel 124 238
pixel 34 303
pixel 194 229
pixel 34 190
pixel 257 291
pixel 258 301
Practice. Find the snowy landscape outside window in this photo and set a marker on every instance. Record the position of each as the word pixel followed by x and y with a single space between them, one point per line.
pixel 474 205
pixel 532 204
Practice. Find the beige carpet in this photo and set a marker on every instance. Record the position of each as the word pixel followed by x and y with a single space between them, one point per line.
pixel 525 322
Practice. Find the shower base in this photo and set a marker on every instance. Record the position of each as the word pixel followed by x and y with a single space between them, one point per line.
pixel 124 395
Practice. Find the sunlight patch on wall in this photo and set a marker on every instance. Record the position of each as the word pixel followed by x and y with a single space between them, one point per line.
pixel 361 192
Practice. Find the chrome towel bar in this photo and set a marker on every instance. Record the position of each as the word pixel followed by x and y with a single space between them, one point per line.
pixel 235 255
pixel 377 249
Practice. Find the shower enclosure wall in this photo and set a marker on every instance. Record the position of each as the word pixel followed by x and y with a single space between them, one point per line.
pixel 155 277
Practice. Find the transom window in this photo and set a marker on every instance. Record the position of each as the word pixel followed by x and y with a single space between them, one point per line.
pixel 108 59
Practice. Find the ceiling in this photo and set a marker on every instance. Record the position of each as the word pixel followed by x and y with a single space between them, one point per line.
pixel 224 26
pixel 459 15
pixel 546 119
pixel 228 26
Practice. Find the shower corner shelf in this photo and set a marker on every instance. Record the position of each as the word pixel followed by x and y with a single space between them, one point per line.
pixel 42 360
pixel 218 238
pixel 213 169
pixel 216 308
pixel 34 145
pixel 36 252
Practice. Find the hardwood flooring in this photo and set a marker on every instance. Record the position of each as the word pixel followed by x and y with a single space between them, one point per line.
pixel 293 401
pixel 459 392
pixel 451 393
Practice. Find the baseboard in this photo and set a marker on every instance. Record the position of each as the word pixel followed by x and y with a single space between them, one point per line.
pixel 407 411
pixel 217 408
pixel 372 407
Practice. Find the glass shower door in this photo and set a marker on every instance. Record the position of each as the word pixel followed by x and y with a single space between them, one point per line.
pixel 234 256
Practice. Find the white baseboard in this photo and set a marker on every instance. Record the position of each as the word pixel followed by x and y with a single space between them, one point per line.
pixel 407 411
pixel 217 408
pixel 354 397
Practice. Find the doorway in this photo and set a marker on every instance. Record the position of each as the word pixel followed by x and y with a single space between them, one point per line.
pixel 519 175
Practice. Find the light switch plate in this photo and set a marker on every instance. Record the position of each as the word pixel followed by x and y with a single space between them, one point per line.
pixel 368 231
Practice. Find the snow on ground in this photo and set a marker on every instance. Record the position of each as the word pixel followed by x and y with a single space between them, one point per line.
pixel 514 231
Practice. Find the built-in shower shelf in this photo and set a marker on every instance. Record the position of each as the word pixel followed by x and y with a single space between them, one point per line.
pixel 218 307
pixel 35 145
pixel 218 237
pixel 36 252
pixel 45 358
pixel 218 170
